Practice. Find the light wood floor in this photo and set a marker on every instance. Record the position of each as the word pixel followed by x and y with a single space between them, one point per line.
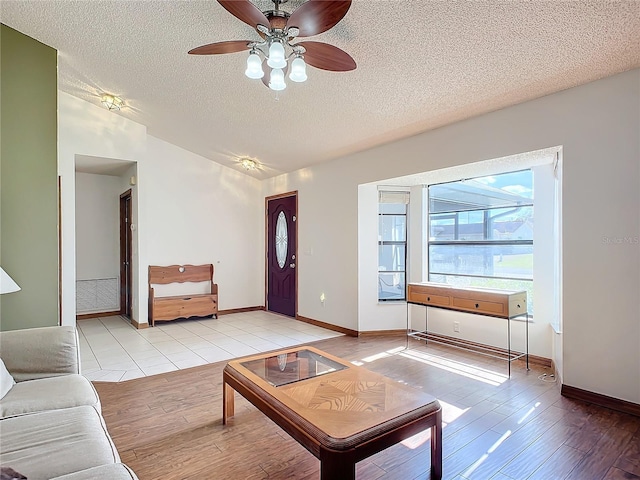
pixel 169 426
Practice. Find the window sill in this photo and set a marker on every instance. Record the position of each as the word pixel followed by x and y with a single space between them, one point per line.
pixel 392 302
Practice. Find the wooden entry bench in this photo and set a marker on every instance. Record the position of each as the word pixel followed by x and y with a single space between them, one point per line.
pixel 181 306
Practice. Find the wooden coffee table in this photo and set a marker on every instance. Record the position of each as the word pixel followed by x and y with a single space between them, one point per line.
pixel 341 413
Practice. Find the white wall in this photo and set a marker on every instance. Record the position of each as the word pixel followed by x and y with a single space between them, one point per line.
pixel 327 240
pixel 201 212
pixel 597 125
pixel 187 209
pixel 87 129
pixel 97 226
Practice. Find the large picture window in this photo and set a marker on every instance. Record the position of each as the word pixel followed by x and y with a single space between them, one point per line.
pixel 481 232
pixel 392 245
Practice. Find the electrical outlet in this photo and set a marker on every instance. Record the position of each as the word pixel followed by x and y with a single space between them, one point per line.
pixel 456 326
pixel 322 298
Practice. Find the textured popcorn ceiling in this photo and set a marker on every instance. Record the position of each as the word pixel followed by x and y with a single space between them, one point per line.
pixel 421 64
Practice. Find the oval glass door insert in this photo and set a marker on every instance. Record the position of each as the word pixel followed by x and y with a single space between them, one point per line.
pixel 282 239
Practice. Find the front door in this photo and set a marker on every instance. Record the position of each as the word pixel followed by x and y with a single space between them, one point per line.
pixel 282 250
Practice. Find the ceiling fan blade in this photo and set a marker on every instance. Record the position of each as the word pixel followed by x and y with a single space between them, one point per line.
pixel 317 16
pixel 327 57
pixel 231 46
pixel 245 11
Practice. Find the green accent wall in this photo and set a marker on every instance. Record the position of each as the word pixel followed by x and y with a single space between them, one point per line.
pixel 28 180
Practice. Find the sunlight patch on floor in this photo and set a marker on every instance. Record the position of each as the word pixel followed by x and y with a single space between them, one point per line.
pixel 385 354
pixel 417 440
pixel 466 370
pixel 529 412
pixel 450 413
pixel 484 456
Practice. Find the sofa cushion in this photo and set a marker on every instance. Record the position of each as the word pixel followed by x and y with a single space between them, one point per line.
pixel 41 352
pixel 49 394
pixel 113 471
pixel 57 442
pixel 6 380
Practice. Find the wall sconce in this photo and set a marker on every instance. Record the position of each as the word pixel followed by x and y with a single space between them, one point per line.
pixel 111 102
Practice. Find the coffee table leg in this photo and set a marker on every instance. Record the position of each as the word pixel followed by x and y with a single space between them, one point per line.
pixel 227 402
pixel 436 448
pixel 337 466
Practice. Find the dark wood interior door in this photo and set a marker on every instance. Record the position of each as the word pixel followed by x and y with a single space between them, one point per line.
pixel 126 256
pixel 282 255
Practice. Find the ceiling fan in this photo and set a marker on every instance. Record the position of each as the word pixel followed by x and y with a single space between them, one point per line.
pixel 277 30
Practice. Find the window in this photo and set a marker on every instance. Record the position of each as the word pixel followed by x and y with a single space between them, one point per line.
pixel 392 245
pixel 481 232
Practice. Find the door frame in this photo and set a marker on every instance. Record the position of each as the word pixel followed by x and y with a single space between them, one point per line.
pixel 126 290
pixel 293 193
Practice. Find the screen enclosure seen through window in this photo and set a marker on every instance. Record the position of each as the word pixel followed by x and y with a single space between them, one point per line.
pixel 481 232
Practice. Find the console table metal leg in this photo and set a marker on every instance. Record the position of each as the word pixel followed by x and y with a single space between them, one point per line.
pixel 527 339
pixel 509 344
pixel 406 344
pixel 426 324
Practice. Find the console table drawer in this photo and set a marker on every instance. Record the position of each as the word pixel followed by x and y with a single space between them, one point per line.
pixel 429 299
pixel 428 296
pixel 479 306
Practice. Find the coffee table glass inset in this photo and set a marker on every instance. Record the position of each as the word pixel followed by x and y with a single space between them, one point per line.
pixel 290 367
pixel 339 412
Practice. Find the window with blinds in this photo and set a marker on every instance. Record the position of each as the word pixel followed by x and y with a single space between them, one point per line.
pixel 392 244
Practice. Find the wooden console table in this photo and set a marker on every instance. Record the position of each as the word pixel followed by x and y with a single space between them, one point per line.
pixel 482 301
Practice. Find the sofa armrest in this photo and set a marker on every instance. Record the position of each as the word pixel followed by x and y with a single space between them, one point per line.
pixel 40 352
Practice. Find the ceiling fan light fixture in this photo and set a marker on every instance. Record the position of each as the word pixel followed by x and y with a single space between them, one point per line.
pixel 111 102
pixel 277 29
pixel 276 81
pixel 254 66
pixel 276 55
pixel 298 70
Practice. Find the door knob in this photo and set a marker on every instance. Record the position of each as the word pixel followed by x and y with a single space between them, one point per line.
pixel 292 265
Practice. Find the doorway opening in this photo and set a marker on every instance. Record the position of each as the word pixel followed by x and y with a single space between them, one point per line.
pixel 106 240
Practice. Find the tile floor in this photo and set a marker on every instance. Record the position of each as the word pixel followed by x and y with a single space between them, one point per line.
pixel 112 350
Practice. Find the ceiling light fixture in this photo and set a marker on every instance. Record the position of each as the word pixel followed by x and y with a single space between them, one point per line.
pixel 269 57
pixel 248 163
pixel 111 102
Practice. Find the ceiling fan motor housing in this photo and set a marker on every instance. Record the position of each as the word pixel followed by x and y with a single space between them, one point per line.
pixel 277 20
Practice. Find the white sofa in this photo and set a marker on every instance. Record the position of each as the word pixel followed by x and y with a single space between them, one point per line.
pixel 51 425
